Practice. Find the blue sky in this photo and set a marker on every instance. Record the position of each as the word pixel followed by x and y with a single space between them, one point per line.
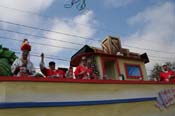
pixel 142 25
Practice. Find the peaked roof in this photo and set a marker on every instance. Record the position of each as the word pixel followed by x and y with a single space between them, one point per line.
pixel 111 47
pixel 89 50
pixel 85 50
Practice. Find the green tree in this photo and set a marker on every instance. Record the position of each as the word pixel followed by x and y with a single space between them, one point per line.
pixel 155 71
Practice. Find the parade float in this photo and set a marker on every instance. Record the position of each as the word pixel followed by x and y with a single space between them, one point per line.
pixel 121 88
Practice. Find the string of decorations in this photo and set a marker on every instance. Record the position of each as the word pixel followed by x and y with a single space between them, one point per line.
pixel 80 4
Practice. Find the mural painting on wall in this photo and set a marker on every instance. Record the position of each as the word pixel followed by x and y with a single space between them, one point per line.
pixel 166 98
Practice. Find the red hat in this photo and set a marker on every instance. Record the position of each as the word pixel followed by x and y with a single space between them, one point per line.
pixel 25 46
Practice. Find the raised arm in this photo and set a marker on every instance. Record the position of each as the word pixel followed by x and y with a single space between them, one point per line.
pixel 42 66
pixel 15 67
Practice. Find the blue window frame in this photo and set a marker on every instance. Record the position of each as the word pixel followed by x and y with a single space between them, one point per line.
pixel 133 71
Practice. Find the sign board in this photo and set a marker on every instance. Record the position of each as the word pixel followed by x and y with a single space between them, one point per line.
pixel 166 98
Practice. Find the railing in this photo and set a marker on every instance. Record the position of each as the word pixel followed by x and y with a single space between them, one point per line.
pixel 67 80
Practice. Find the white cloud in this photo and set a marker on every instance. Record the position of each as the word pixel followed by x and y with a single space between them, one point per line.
pixel 26 5
pixel 30 5
pixel 118 3
pixel 81 25
pixel 17 11
pixel 157 32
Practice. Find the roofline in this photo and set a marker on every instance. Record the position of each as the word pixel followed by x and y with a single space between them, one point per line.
pixel 80 50
pixel 106 55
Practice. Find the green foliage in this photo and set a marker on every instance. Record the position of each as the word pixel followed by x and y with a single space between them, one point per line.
pixel 7 57
pixel 156 71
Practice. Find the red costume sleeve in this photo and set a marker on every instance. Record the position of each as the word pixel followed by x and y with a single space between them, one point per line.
pixel 61 73
pixel 165 75
pixel 77 71
pixel 45 71
pixel 90 71
pixel 170 72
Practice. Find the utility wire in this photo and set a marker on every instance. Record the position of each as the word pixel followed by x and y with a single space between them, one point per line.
pixel 67 47
pixel 45 16
pixel 48 17
pixel 17 52
pixel 48 57
pixel 151 57
pixel 65 20
pixel 84 37
pixel 154 59
pixel 161 57
pixel 39 43
pixel 148 49
pixel 40 36
pixel 52 31
pixel 52 56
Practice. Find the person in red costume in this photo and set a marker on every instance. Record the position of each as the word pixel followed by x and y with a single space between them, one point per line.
pixel 61 73
pixel 23 66
pixel 83 71
pixel 166 74
pixel 51 71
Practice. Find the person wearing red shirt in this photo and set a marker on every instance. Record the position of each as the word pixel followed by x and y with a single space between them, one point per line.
pixel 51 71
pixel 61 73
pixel 166 74
pixel 83 71
pixel 69 73
pixel 173 74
